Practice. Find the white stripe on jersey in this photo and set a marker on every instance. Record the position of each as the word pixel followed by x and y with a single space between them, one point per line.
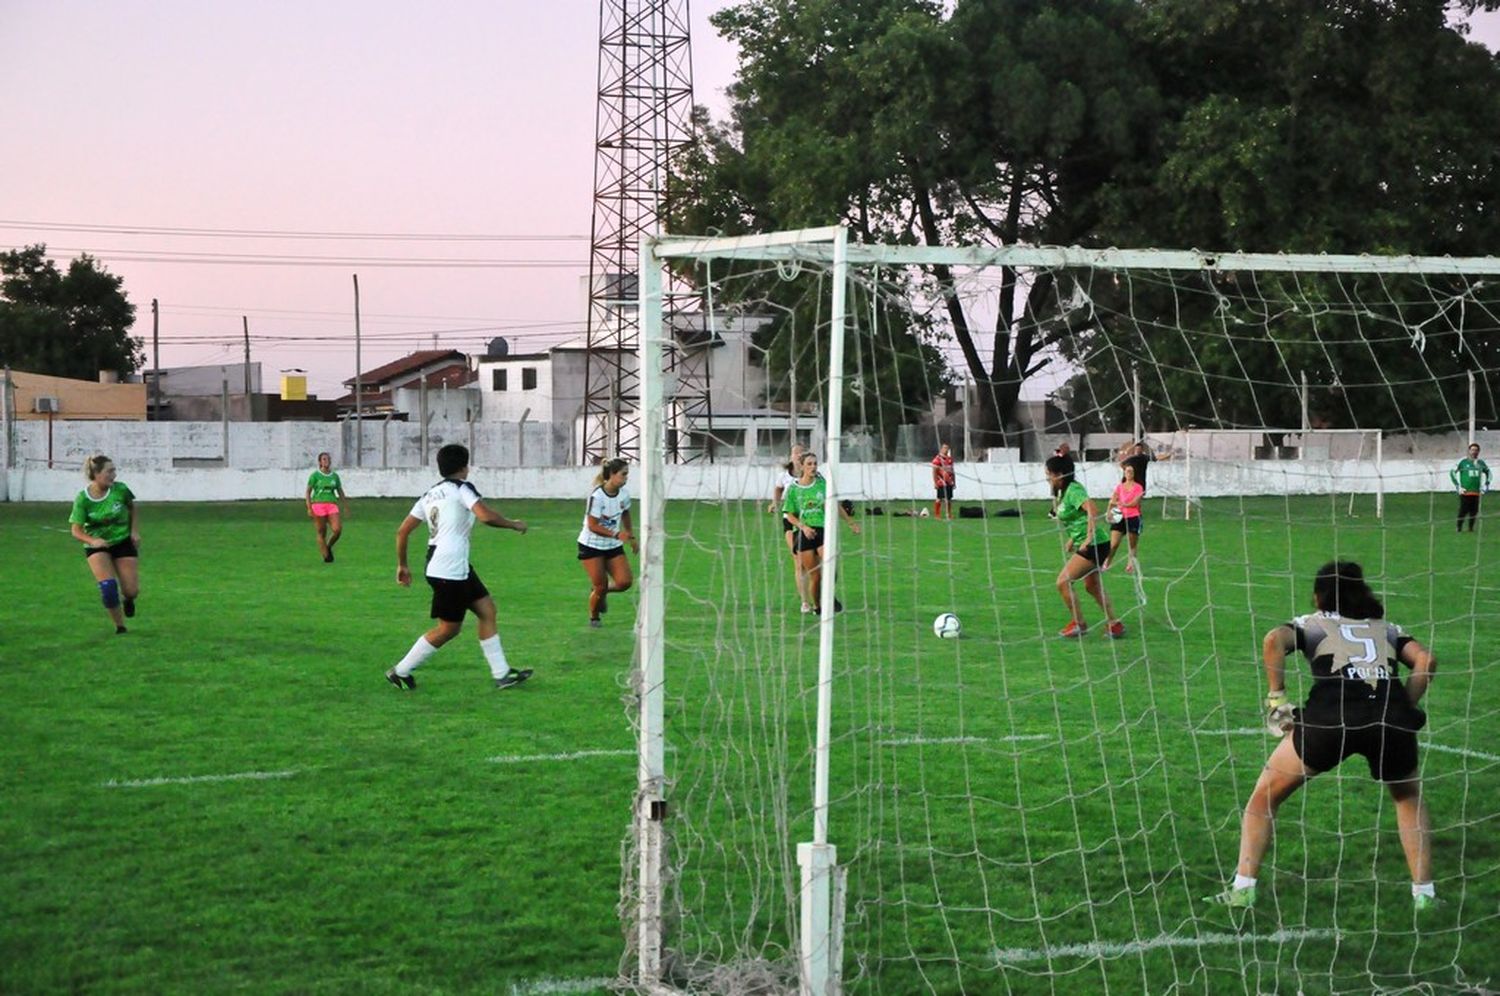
pixel 608 509
pixel 446 510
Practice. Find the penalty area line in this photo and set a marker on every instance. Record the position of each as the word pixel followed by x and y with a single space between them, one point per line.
pixel 240 776
pixel 575 755
pixel 1108 949
pixel 1255 731
pixel 934 741
pixel 545 987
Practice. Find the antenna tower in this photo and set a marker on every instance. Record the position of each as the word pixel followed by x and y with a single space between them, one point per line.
pixel 644 118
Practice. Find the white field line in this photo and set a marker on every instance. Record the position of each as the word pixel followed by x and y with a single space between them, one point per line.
pixel 1255 731
pixel 930 741
pixel 241 776
pixel 575 755
pixel 1104 949
pixel 545 987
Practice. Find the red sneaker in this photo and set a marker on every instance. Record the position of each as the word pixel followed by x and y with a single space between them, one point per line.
pixel 1116 630
pixel 1072 631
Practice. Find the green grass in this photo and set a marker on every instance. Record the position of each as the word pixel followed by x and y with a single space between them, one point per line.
pixel 396 857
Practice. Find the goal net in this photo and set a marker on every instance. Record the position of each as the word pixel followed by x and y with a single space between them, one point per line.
pixel 847 802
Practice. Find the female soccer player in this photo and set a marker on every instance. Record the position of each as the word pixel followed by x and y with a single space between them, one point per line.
pixel 803 507
pixel 1357 706
pixel 1124 517
pixel 1471 478
pixel 449 508
pixel 606 530
pixel 943 479
pixel 1088 547
pixel 104 521
pixel 324 492
pixel 789 478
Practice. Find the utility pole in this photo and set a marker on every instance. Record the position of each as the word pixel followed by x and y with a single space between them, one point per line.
pixel 359 387
pixel 246 320
pixel 156 358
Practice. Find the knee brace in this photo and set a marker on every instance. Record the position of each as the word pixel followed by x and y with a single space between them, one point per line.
pixel 109 591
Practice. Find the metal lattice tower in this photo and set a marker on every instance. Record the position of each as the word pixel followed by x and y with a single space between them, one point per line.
pixel 644 118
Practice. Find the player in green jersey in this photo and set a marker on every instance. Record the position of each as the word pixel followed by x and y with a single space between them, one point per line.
pixel 1471 478
pixel 1087 547
pixel 803 508
pixel 104 521
pixel 324 492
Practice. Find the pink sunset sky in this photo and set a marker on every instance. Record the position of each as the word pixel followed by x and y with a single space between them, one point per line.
pixel 463 117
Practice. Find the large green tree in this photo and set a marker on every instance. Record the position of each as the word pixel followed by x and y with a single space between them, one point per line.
pixel 67 324
pixel 1303 126
pixel 996 124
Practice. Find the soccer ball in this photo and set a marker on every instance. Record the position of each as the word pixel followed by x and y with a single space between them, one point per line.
pixel 922 513
pixel 947 626
pixel 1115 515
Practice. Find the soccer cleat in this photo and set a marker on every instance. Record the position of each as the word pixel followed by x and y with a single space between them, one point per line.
pixel 1116 630
pixel 512 678
pixel 806 608
pixel 404 682
pixel 328 557
pixel 129 608
pixel 1235 899
pixel 119 630
pixel 595 623
pixel 1072 631
pixel 1425 904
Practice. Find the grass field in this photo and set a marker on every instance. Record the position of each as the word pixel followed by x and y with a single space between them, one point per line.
pixel 1018 813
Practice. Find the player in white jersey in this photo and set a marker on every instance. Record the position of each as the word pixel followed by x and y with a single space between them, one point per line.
pixel 788 480
pixel 606 530
pixel 449 509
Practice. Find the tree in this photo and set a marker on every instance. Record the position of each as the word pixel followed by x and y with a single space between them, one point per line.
pixel 998 124
pixel 1375 128
pixel 71 324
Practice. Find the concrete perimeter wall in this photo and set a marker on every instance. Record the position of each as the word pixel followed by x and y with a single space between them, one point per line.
pixel 875 482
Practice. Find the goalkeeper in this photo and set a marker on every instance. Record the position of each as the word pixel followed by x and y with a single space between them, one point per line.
pixel 1470 478
pixel 1357 705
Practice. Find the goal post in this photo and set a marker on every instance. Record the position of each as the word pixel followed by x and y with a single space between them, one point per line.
pixel 851 803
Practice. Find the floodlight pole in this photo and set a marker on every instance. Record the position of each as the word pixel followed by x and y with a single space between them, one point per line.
pixel 1135 398
pixel 1471 407
pixel 359 387
pixel 650 796
pixel 818 859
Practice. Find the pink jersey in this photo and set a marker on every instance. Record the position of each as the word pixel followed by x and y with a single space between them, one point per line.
pixel 1129 491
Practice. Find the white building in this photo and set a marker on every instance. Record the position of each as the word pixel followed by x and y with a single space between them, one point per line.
pixel 735 423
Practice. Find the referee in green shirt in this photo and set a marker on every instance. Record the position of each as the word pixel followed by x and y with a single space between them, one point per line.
pixel 1470 478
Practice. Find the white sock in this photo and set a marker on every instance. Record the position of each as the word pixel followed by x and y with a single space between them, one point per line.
pixel 495 655
pixel 1423 889
pixel 415 657
pixel 1243 882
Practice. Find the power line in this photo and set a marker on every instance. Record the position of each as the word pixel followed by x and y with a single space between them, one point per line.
pixel 255 259
pixel 250 233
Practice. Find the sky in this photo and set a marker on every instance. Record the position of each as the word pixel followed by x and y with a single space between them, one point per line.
pixel 191 124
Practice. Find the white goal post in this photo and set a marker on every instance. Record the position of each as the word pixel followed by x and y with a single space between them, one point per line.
pixel 816 940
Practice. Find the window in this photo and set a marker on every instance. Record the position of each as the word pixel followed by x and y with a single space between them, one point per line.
pixel 497 380
pixel 528 378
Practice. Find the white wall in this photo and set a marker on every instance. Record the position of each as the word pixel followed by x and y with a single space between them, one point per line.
pixel 866 482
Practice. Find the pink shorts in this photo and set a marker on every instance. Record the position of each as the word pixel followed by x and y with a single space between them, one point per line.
pixel 322 508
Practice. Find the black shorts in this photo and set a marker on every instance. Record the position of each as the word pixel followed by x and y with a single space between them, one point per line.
pixel 118 551
pixel 1094 553
pixel 1390 751
pixel 586 552
pixel 1468 505
pixel 945 492
pixel 451 599
pixel 1132 526
pixel 803 542
pixel 786 525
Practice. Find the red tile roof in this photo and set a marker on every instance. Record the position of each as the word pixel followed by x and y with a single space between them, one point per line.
pixel 412 362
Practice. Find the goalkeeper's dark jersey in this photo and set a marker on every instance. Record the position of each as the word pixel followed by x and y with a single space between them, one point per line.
pixel 1356 669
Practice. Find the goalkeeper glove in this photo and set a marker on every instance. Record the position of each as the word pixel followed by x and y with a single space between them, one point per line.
pixel 1280 714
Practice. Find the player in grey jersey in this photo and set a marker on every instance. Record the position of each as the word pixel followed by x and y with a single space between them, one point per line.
pixel 1357 705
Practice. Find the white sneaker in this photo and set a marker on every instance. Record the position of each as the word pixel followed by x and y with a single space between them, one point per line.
pixel 806 608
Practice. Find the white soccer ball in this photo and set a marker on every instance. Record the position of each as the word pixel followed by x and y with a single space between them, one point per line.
pixel 922 513
pixel 947 626
pixel 1116 515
